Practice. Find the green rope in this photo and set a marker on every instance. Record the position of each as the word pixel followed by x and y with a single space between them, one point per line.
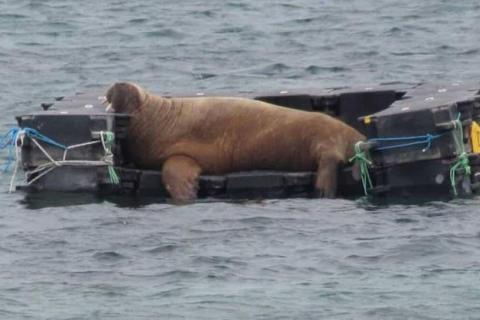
pixel 462 160
pixel 109 140
pixel 114 179
pixel 362 158
pixel 461 163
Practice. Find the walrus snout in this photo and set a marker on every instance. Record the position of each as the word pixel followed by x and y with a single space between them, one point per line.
pixel 124 97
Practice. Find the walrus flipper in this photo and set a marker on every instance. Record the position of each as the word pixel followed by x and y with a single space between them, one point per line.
pixel 180 177
pixel 326 181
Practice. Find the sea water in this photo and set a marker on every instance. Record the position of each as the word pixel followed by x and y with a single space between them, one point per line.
pixel 84 257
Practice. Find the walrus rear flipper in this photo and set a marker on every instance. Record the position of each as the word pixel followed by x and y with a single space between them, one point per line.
pixel 326 182
pixel 180 177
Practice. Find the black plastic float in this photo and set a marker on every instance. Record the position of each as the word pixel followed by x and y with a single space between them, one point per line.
pixel 413 144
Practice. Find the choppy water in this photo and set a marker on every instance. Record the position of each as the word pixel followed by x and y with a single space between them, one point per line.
pixel 79 257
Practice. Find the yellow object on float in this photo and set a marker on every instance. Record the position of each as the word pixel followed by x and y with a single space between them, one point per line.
pixel 475 137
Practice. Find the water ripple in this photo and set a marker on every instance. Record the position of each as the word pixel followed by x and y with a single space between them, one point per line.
pixel 108 256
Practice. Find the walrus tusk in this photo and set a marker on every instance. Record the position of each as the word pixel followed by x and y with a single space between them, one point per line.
pixel 105 102
pixel 109 107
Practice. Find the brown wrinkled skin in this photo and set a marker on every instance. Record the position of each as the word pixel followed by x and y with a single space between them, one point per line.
pixel 186 137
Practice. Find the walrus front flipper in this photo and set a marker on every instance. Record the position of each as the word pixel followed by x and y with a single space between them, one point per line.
pixel 326 182
pixel 180 177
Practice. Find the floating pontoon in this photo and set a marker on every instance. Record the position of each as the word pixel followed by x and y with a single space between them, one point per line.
pixel 422 140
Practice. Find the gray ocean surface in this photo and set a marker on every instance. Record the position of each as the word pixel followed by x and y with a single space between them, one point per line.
pixel 82 257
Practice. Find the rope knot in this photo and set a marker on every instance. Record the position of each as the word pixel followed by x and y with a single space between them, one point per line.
pixel 428 140
pixel 362 158
pixel 462 161
pixel 14 139
pixel 465 164
pixel 108 139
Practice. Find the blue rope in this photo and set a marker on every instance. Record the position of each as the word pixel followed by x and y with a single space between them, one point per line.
pixel 426 139
pixel 362 157
pixel 9 140
pixel 32 133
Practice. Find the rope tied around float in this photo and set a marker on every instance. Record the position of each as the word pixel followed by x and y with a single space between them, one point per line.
pixel 364 162
pixel 462 162
pixel 14 139
pixel 363 159
pixel 108 139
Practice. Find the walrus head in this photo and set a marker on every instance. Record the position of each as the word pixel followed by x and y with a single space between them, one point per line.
pixel 125 97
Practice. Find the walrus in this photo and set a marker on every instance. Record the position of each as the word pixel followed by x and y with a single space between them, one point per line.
pixel 188 136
